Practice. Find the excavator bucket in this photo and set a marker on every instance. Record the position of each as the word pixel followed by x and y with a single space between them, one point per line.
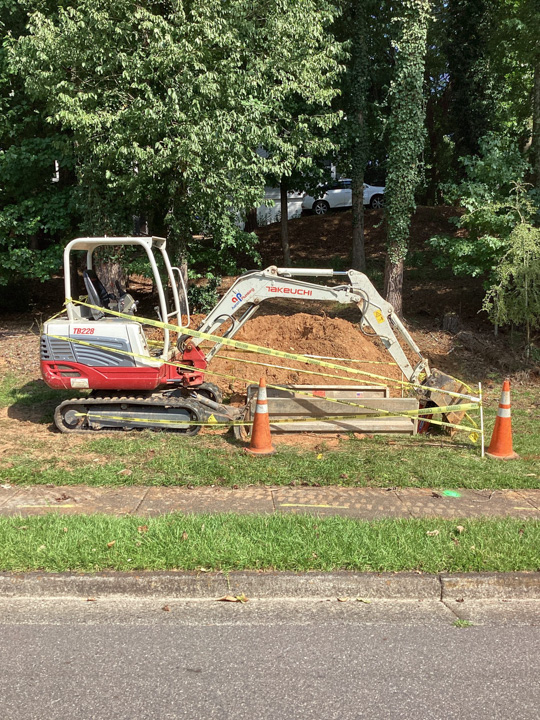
pixel 443 384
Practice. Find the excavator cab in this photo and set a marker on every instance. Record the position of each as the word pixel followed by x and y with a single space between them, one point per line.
pixel 101 297
pixel 119 357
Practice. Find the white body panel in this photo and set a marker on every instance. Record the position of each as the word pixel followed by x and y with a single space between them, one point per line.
pixel 126 336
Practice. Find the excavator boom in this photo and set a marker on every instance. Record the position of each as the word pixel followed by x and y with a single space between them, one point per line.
pixel 242 300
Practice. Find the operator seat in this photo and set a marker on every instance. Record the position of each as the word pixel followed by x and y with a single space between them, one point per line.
pixel 97 291
pixel 97 294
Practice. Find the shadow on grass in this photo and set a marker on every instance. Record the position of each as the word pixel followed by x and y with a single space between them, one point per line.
pixel 33 402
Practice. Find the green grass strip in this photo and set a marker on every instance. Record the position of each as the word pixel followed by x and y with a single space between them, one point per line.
pixel 159 459
pixel 91 543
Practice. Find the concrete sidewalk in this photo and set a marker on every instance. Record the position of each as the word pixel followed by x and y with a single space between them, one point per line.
pixel 361 503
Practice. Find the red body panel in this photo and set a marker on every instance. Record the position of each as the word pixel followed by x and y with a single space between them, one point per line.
pixel 192 355
pixel 59 374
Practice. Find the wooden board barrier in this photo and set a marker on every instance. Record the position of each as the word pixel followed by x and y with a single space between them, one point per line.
pixel 288 404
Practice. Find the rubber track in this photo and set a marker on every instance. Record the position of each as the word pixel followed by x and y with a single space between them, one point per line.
pixel 134 401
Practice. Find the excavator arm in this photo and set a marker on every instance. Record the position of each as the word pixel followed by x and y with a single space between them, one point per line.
pixel 242 300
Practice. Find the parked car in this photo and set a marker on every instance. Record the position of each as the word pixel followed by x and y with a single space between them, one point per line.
pixel 339 194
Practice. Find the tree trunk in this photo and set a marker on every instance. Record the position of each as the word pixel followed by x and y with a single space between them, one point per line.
pixel 285 223
pixel 536 124
pixel 251 220
pixel 393 283
pixel 358 244
pixel 178 228
pixel 110 272
pixel 406 141
pixel 177 224
pixel 359 82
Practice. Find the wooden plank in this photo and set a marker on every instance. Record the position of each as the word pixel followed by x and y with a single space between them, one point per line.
pixel 348 392
pixel 406 426
pixel 345 391
pixel 288 404
pixel 317 407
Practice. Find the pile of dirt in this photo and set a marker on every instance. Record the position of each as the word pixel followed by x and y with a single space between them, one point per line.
pixel 301 333
pixel 304 334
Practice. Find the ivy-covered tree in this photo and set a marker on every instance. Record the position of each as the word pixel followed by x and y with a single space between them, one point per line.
pixel 406 138
pixel 169 102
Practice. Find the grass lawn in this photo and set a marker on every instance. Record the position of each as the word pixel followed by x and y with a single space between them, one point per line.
pixel 232 542
pixel 34 454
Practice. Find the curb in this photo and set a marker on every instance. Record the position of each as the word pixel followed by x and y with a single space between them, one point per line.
pixel 382 586
pixel 491 586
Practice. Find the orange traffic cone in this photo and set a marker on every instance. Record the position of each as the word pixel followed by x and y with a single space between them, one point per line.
pixel 500 446
pixel 261 440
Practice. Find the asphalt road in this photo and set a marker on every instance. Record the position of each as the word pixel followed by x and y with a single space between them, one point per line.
pixel 122 658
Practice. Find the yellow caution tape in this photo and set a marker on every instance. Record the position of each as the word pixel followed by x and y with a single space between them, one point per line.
pixel 238 423
pixel 383 413
pixel 285 367
pixel 321 357
pixel 250 347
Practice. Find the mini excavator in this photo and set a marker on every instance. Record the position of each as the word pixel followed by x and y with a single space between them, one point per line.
pixel 131 383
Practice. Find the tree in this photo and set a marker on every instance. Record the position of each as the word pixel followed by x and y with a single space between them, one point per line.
pixel 363 29
pixel 406 138
pixel 357 101
pixel 37 182
pixel 514 296
pixel 473 85
pixel 491 197
pixel 516 57
pixel 169 102
pixel 303 127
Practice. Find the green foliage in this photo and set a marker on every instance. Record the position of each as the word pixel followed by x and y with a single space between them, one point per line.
pixel 475 91
pixel 515 296
pixel 169 104
pixel 37 205
pixel 493 199
pixel 471 256
pixel 513 55
pixel 203 297
pixel 479 79
pixel 406 123
pixel 363 27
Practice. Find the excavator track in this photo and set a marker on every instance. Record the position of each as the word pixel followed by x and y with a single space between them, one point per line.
pixel 110 413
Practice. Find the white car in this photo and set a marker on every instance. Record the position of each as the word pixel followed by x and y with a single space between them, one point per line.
pixel 339 195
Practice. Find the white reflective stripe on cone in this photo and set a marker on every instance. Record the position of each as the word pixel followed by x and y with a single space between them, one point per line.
pixel 504 412
pixel 505 397
pixel 262 394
